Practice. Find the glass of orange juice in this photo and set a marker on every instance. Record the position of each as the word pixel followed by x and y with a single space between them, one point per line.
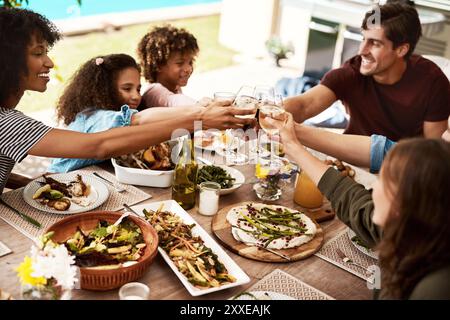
pixel 306 193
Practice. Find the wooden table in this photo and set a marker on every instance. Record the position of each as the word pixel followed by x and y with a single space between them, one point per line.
pixel 164 284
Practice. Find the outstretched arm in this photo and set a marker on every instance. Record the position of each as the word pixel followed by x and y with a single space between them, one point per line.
pixel 310 103
pixel 354 149
pixel 59 143
pixel 351 201
pixel 217 114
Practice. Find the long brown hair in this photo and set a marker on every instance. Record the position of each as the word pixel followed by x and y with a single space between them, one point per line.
pixel 416 238
pixel 93 86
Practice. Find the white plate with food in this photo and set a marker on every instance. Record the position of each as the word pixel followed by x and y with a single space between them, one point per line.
pixel 65 193
pixel 262 295
pixel 204 275
pixel 230 179
pixel 357 242
pixel 215 140
pixel 206 139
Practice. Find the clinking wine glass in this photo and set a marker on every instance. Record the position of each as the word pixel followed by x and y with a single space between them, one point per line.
pixel 224 96
pixel 245 99
pixel 258 93
pixel 272 108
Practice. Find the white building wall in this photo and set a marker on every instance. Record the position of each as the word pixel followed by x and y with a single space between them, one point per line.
pixel 246 25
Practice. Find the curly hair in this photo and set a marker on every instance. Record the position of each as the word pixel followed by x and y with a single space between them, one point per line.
pixel 156 46
pixel 93 86
pixel 416 240
pixel 17 27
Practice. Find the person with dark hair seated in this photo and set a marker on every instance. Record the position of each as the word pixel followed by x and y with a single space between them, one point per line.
pixel 386 89
pixel 406 217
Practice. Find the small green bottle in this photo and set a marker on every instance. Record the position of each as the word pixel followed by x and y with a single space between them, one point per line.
pixel 185 176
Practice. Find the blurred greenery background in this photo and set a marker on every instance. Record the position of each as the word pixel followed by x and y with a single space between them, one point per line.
pixel 69 53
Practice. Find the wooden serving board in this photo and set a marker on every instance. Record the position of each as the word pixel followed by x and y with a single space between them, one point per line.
pixel 222 230
pixel 321 214
pixel 324 213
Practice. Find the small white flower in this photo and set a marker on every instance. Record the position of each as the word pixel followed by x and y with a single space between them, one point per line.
pixel 54 262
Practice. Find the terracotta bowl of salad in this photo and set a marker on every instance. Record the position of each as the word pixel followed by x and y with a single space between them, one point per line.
pixel 108 255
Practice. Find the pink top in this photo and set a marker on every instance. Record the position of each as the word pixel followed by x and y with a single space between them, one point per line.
pixel 159 96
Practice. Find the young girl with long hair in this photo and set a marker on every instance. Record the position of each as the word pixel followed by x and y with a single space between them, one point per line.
pixel 103 94
pixel 25 38
pixel 407 217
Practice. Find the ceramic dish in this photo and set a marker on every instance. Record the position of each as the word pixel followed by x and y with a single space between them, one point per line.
pixel 234 173
pixel 97 278
pixel 143 177
pixel 197 230
pixel 99 193
pixel 215 140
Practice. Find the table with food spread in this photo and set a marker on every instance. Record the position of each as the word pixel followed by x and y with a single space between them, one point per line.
pixel 226 262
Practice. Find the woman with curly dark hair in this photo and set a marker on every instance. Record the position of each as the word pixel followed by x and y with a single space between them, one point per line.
pixel 167 55
pixel 25 38
pixel 406 217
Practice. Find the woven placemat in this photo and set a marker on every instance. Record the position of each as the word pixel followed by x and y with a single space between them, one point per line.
pixel 15 198
pixel 342 241
pixel 281 282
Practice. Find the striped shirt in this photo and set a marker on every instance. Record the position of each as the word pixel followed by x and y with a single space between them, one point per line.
pixel 18 134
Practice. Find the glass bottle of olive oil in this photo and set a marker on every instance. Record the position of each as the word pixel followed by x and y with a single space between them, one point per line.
pixel 185 176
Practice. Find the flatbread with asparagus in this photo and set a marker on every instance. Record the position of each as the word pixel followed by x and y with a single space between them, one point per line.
pixel 271 226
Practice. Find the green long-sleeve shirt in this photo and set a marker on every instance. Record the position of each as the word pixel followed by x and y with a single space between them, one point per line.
pixel 353 205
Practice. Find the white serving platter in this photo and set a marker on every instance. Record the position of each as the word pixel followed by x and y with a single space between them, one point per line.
pixel 232 267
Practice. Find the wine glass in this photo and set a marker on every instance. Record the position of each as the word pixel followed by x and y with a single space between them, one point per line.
pixel 224 96
pixel 245 99
pixel 271 107
pixel 231 143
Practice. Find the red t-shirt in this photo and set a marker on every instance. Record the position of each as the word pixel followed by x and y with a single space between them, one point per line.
pixel 395 111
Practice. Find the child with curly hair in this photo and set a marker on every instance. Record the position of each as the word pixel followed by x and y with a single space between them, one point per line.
pixel 167 55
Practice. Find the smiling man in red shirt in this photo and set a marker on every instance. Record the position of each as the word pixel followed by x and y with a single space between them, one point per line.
pixel 386 89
